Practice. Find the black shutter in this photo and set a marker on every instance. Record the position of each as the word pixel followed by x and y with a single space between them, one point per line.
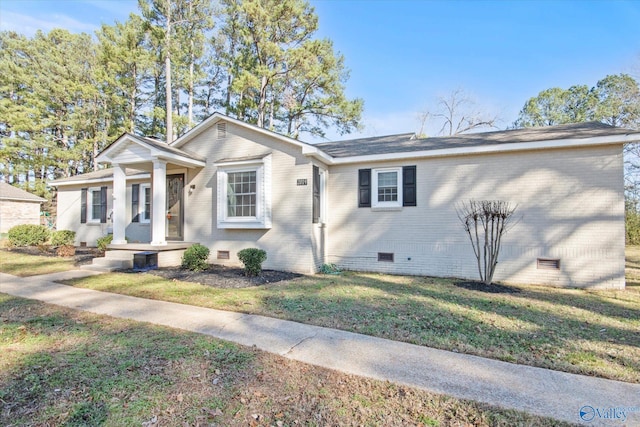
pixel 103 204
pixel 135 203
pixel 364 188
pixel 409 186
pixel 83 206
pixel 316 195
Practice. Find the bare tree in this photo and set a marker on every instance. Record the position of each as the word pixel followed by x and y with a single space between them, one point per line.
pixel 485 222
pixel 459 113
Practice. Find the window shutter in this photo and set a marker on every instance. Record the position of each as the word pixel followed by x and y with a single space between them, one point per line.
pixel 364 188
pixel 135 203
pixel 103 204
pixel 409 186
pixel 316 194
pixel 83 206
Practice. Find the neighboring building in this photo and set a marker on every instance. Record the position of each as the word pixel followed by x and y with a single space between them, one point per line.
pixel 18 207
pixel 384 204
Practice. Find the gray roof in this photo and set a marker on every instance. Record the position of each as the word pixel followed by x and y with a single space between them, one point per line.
pixel 407 142
pixel 169 149
pixel 99 175
pixel 9 192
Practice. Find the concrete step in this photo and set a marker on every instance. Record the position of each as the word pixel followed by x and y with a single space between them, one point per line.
pixel 113 264
pixel 120 255
pixel 97 268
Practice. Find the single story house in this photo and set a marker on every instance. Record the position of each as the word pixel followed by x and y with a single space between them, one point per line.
pixel 384 204
pixel 18 207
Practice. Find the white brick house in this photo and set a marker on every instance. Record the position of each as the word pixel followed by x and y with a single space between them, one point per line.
pixel 383 204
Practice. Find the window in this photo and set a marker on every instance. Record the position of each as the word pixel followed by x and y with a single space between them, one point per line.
pixel 244 193
pixel 241 194
pixel 387 187
pixel 93 205
pixel 145 214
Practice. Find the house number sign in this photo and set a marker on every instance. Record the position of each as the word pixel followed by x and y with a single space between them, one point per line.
pixel 302 182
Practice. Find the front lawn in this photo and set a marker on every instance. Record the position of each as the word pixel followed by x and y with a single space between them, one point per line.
pixel 68 368
pixel 586 332
pixel 20 264
pixel 580 331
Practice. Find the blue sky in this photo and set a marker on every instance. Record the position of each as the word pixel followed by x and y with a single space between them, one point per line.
pixel 404 54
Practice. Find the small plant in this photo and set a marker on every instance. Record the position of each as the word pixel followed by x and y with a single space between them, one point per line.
pixel 28 235
pixel 104 241
pixel 330 269
pixel 66 250
pixel 252 258
pixel 195 258
pixel 63 238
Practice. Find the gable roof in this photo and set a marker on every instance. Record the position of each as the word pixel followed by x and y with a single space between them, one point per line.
pixel 9 192
pixel 157 149
pixel 407 143
pixel 96 177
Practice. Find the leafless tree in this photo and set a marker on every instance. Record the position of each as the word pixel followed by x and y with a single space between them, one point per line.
pixel 459 113
pixel 485 222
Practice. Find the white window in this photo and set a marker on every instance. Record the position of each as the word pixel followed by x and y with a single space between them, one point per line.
pixel 387 187
pixel 94 204
pixel 145 203
pixel 244 193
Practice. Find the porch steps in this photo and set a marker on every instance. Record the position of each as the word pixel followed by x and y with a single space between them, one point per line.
pixel 109 263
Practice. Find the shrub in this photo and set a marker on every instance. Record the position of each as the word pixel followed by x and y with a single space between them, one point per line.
pixel 252 258
pixel 330 269
pixel 66 250
pixel 195 258
pixel 103 241
pixel 63 238
pixel 28 235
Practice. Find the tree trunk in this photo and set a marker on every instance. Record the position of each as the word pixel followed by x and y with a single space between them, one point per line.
pixel 167 70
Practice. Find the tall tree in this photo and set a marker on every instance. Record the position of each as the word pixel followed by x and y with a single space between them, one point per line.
pixel 457 113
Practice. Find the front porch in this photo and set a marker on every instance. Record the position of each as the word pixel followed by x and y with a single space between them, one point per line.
pixel 119 256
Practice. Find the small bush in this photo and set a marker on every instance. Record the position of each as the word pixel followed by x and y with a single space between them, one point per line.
pixel 66 250
pixel 104 241
pixel 252 258
pixel 330 269
pixel 63 238
pixel 195 258
pixel 28 235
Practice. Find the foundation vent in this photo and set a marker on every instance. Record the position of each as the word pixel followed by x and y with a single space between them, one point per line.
pixel 223 254
pixel 548 264
pixel 385 256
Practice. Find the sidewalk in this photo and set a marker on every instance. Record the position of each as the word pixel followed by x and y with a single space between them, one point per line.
pixel 539 391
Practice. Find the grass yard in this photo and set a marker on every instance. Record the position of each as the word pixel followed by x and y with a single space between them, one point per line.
pixel 579 331
pixel 63 367
pixel 19 264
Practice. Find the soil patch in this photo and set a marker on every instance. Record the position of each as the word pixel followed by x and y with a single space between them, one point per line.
pixel 220 276
pixel 84 255
pixel 493 288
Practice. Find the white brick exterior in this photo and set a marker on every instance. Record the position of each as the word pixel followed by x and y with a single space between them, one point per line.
pixel 16 212
pixel 570 202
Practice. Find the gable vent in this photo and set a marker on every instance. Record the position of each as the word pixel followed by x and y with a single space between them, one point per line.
pixel 385 256
pixel 222 130
pixel 548 264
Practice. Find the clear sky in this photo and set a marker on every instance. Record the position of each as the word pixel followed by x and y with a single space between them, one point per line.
pixel 404 54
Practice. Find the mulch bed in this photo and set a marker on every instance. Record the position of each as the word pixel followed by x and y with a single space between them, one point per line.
pixel 220 276
pixel 493 288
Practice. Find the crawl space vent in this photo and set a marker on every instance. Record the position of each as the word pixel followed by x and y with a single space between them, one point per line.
pixel 223 254
pixel 548 264
pixel 385 256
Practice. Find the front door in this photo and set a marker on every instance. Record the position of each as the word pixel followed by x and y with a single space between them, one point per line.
pixel 175 207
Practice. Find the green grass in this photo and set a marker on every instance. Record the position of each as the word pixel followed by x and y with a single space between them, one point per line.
pixel 19 264
pixel 67 368
pixel 579 331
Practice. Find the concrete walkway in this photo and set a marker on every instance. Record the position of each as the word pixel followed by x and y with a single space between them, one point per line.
pixel 539 391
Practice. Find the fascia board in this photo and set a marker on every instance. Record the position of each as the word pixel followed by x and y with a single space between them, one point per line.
pixel 99 180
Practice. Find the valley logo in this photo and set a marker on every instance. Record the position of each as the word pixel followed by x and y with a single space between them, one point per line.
pixel 589 413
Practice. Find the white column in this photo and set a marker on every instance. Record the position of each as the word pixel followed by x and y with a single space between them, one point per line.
pixel 159 203
pixel 119 205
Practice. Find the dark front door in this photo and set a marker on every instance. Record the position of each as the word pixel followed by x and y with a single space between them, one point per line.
pixel 175 207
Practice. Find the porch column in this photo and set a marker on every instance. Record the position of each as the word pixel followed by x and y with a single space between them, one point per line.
pixel 159 203
pixel 119 204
